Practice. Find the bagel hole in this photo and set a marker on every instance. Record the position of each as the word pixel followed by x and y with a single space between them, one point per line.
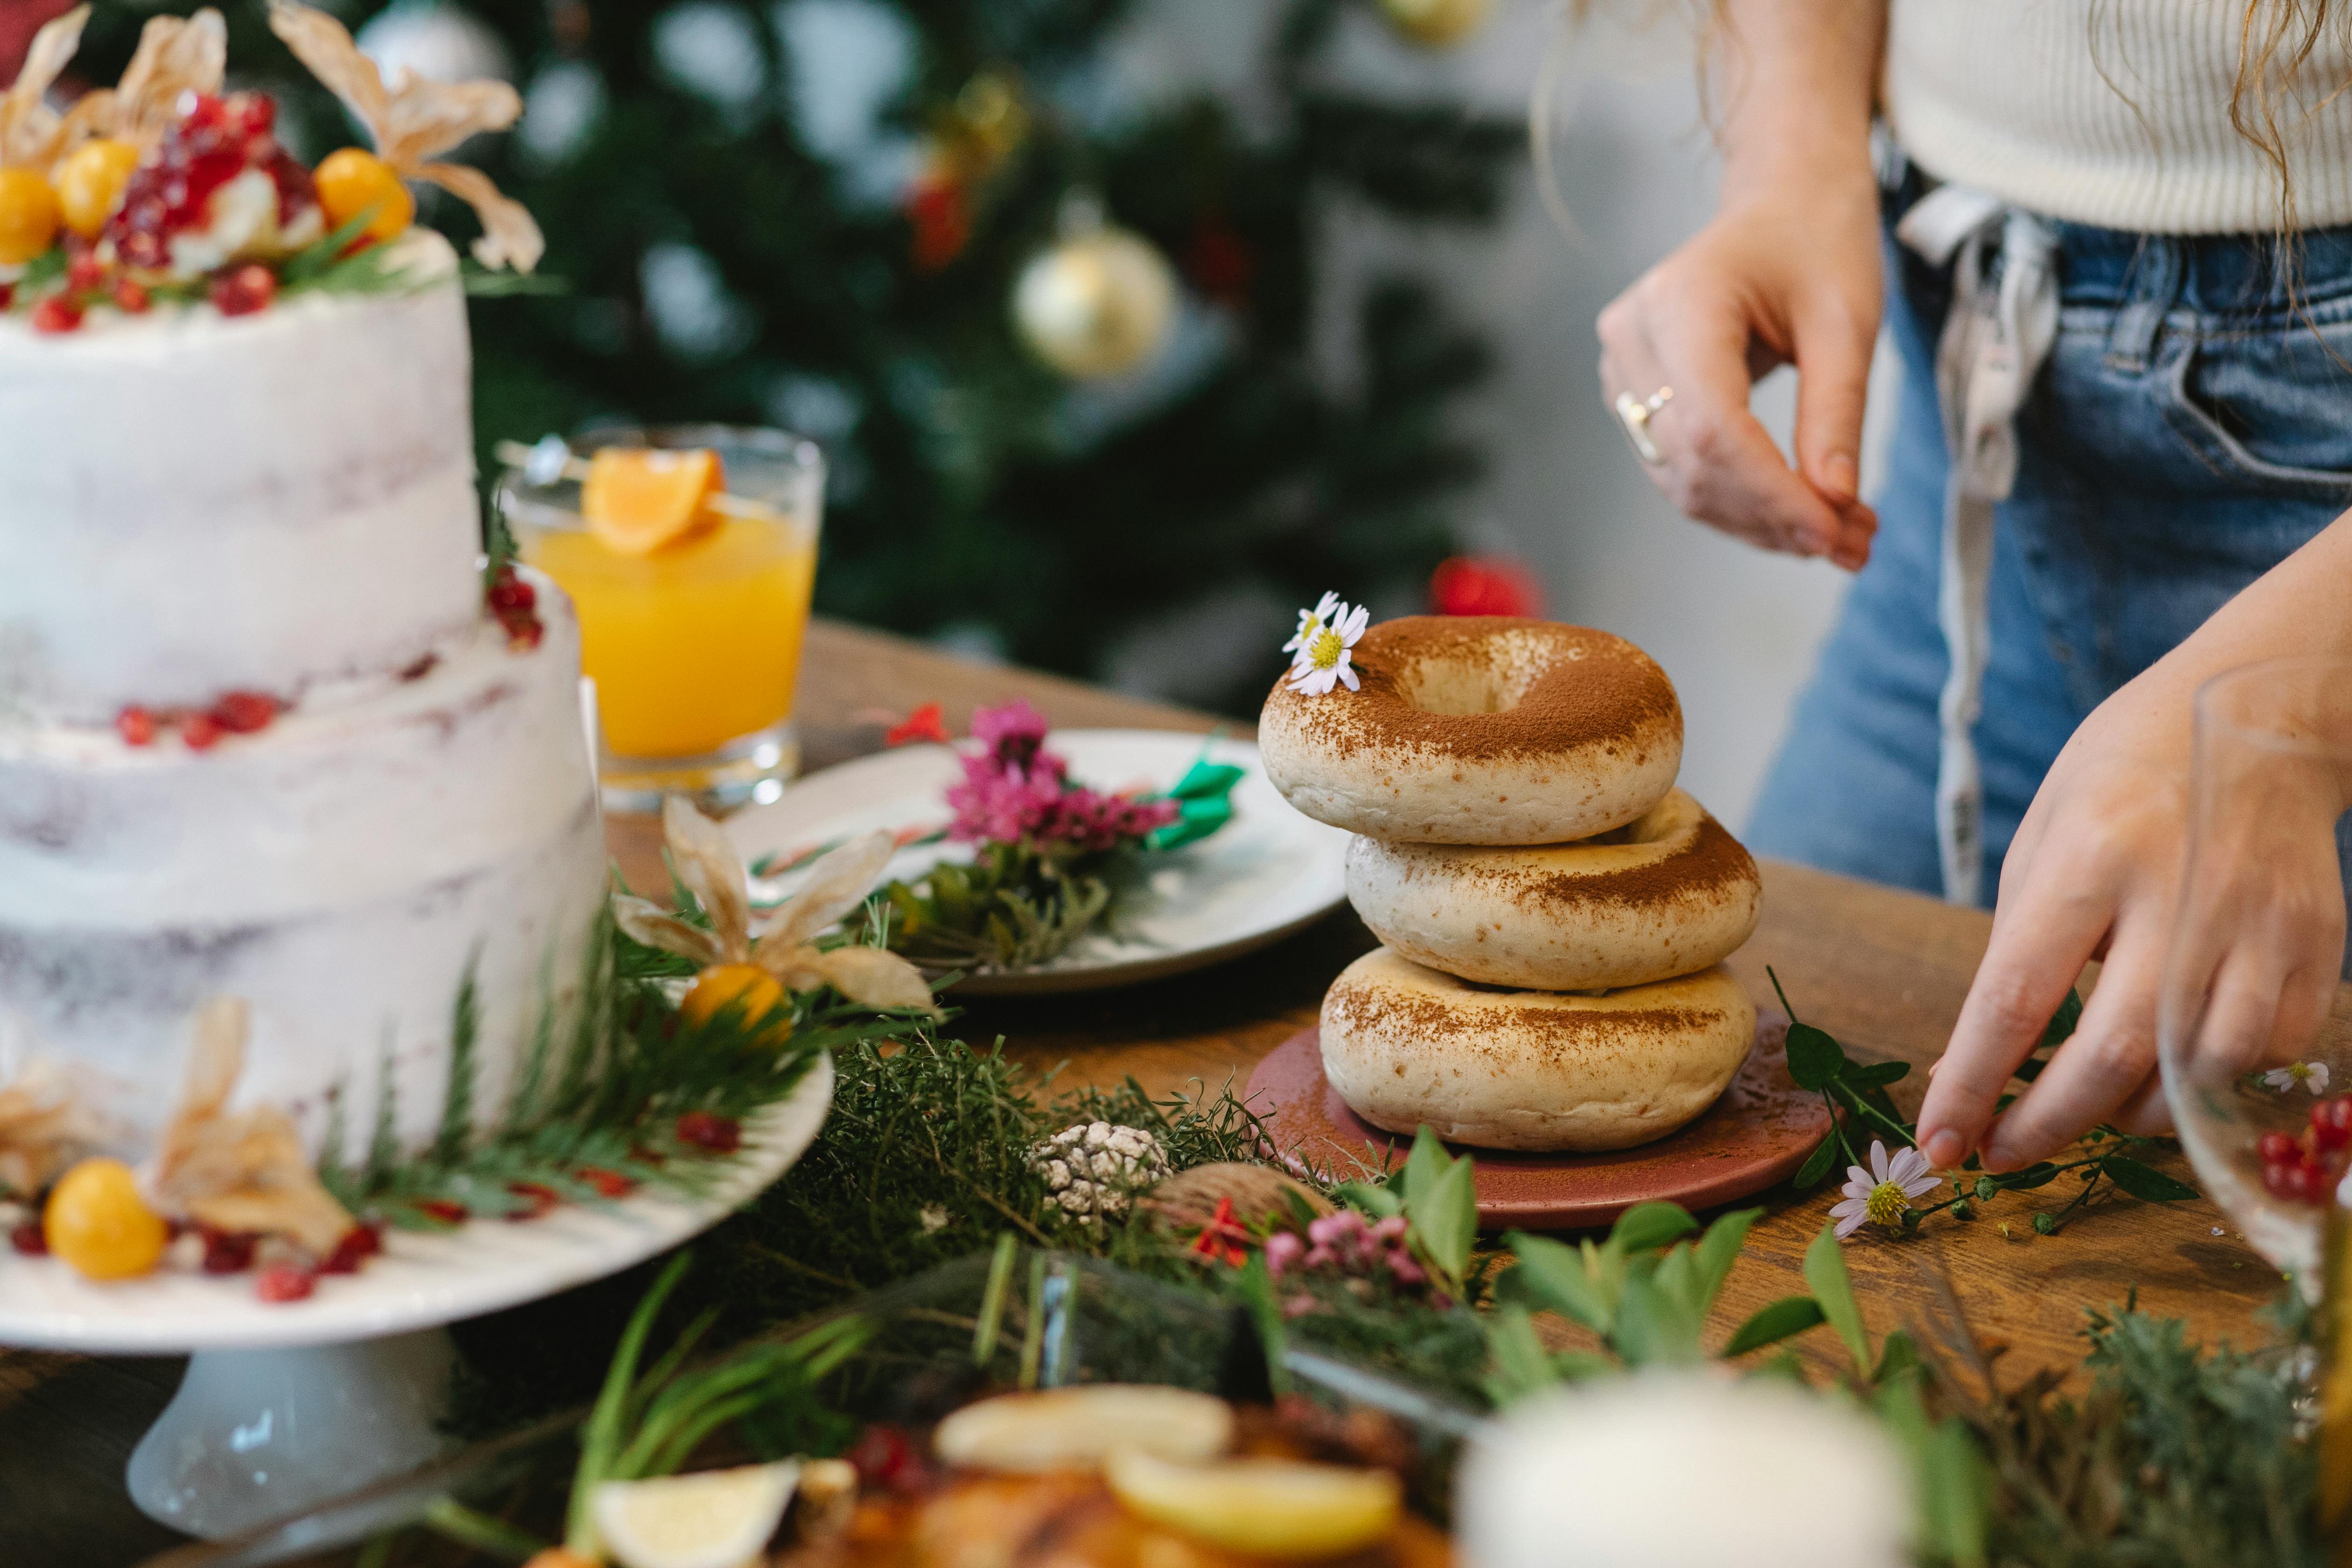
pixel 1457 686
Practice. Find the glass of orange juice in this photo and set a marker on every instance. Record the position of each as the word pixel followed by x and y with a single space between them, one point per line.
pixel 694 643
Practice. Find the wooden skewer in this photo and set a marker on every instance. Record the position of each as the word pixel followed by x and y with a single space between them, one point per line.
pixel 519 455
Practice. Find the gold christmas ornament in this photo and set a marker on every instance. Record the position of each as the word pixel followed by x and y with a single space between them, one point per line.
pixel 1434 24
pixel 1096 303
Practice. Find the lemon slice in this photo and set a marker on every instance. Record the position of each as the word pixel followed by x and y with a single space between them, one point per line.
pixel 1269 1508
pixel 637 499
pixel 1063 1428
pixel 711 1518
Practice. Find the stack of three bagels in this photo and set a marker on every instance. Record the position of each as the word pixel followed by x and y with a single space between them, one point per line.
pixel 1553 912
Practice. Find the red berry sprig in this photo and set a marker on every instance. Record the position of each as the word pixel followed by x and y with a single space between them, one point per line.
pixel 2306 1168
pixel 515 603
pixel 236 714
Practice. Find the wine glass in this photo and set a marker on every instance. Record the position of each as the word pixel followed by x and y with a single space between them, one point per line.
pixel 2256 1048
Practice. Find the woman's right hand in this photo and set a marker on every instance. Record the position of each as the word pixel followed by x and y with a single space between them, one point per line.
pixel 1789 274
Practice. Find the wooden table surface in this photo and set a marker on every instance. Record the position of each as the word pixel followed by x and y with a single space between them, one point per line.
pixel 1883 971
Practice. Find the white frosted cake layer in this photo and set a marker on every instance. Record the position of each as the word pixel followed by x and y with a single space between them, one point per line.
pixel 198 503
pixel 342 871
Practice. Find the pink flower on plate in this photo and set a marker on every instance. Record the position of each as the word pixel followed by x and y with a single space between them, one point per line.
pixel 1882 1194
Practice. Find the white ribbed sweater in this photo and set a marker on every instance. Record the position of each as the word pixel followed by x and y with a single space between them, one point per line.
pixel 2115 113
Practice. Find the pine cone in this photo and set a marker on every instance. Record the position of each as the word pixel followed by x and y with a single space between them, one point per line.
pixel 1093 1170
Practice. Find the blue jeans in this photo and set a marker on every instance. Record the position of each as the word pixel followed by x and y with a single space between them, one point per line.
pixel 2191 428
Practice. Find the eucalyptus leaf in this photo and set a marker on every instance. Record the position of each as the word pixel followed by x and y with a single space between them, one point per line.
pixel 1520 1365
pixel 1647 1225
pixel 1719 1250
pixel 1774 1322
pixel 1424 1167
pixel 1834 1289
pixel 1379 1202
pixel 1554 1275
pixel 2145 1181
pixel 1445 1220
pixel 1814 1059
pixel 1653 1328
pixel 1817 1165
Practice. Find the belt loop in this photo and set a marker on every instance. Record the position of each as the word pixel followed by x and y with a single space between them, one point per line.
pixel 2154 283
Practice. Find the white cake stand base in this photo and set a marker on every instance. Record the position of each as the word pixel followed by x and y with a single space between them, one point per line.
pixel 289 1406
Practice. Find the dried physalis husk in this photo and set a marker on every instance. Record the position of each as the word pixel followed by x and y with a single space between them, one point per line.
pixel 239 1170
pixel 410 119
pixel 44 1128
pixel 175 56
pixel 28 127
pixel 1188 1200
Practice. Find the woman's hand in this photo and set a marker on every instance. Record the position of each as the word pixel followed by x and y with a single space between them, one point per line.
pixel 1789 274
pixel 2096 872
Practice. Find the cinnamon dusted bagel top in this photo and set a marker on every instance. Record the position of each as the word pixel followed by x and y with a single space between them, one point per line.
pixel 1479 729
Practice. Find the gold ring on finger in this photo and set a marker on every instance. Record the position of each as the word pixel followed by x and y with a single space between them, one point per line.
pixel 1633 413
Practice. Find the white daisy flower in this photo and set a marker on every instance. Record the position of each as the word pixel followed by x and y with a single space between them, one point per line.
pixel 1310 623
pixel 1322 662
pixel 1883 1193
pixel 2312 1075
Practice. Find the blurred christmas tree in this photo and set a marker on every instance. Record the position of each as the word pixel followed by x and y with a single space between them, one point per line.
pixel 822 213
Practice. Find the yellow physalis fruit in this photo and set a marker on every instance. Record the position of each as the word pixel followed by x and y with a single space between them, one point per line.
pixel 90 182
pixel 351 181
pixel 1267 1508
pixel 638 498
pixel 28 216
pixel 99 1224
pixel 757 995
pixel 561 1557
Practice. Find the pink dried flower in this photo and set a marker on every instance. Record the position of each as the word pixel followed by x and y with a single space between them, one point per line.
pixel 1405 1271
pixel 1283 1251
pixel 1012 733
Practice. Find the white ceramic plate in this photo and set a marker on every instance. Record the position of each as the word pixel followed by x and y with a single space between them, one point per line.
pixel 1263 875
pixel 420 1280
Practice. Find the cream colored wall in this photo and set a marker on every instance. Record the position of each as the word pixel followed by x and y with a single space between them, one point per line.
pixel 1734 626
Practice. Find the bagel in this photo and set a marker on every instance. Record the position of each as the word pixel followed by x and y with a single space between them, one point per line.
pixel 1479 729
pixel 1407 1046
pixel 1669 894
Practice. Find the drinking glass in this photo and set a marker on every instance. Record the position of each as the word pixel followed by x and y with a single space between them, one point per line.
pixel 2256 1050
pixel 694 649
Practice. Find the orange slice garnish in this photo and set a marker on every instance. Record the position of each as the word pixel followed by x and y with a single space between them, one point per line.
pixel 638 498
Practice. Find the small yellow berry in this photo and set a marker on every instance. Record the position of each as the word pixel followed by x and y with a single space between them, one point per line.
pixel 90 182
pixel 97 1222
pixel 351 181
pixel 761 1006
pixel 28 216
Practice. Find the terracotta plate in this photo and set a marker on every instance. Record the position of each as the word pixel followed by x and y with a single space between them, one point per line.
pixel 1758 1134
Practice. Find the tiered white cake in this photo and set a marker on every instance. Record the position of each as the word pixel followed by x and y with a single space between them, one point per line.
pixel 279 503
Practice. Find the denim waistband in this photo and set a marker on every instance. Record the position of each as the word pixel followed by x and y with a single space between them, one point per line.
pixel 2242 276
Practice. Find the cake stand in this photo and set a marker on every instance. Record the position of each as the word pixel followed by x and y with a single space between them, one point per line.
pixel 287 1405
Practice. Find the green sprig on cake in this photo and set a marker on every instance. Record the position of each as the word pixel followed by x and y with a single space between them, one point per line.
pixel 166 189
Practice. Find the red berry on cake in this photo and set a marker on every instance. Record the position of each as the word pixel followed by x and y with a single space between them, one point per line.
pixel 284 1282
pixel 216 189
pixel 243 712
pixel 85 273
pixel 201 732
pixel 131 297
pixel 136 726
pixel 708 1131
pixel 242 290
pixel 56 314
